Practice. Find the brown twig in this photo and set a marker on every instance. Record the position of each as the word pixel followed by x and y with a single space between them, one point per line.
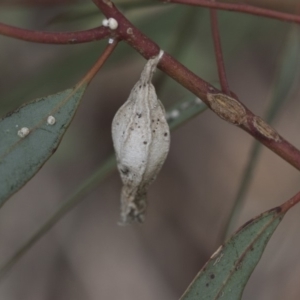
pixel 242 8
pixel 99 63
pixel 290 203
pixel 84 36
pixel 218 51
pixel 226 107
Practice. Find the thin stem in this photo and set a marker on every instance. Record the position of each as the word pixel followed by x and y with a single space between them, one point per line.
pixel 44 37
pixel 218 51
pixel 290 203
pixel 178 43
pixel 99 63
pixel 212 97
pixel 242 8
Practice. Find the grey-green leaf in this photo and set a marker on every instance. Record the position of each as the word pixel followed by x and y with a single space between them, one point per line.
pixel 22 157
pixel 227 271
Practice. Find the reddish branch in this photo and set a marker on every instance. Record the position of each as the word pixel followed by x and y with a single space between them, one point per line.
pixel 209 94
pixel 102 32
pixel 55 37
pixel 290 203
pixel 250 123
pixel 218 51
pixel 99 63
pixel 242 8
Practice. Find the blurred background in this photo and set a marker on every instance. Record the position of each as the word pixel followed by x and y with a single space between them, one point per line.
pixel 87 255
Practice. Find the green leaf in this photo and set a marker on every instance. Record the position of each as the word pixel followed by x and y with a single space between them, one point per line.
pixel 227 271
pixel 21 158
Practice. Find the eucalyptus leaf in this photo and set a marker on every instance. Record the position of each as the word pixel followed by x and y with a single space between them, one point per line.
pixel 226 273
pixel 22 157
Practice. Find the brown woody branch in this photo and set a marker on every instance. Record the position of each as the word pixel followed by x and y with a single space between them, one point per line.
pixel 55 37
pixel 226 107
pixel 242 8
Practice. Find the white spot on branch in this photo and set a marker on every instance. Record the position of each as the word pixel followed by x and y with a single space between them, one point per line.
pixel 160 54
pixel 105 23
pixel 112 23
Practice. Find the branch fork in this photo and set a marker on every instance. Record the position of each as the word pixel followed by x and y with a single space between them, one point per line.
pixel 225 103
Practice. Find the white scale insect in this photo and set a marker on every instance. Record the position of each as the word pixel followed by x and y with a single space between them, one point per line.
pixel 141 138
pixel 111 23
pixel 51 120
pixel 23 132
